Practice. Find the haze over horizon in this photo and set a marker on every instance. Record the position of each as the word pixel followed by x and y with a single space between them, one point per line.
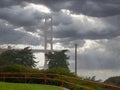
pixel 93 24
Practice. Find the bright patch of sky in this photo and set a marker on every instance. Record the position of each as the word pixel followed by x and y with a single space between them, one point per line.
pixel 88 44
pixel 66 11
pixel 39 7
pixel 99 74
pixel 40 59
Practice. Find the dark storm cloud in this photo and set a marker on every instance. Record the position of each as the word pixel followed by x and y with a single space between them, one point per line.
pixel 105 34
pixel 61 18
pixel 8 3
pixel 101 8
pixel 66 27
pixel 8 35
pixel 21 17
pixel 97 8
pixel 75 31
pixel 26 17
pixel 16 17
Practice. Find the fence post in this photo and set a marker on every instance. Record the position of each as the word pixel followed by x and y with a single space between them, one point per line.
pixel 62 80
pixel 3 76
pixel 25 79
pixel 73 85
pixel 45 82
pixel 91 84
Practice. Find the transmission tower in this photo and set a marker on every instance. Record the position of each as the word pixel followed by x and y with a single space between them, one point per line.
pixel 48 33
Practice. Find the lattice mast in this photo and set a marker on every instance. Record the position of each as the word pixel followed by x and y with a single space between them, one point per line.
pixel 48 33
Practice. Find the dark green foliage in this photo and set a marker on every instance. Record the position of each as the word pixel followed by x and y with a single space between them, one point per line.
pixel 13 68
pixel 113 80
pixel 57 59
pixel 18 68
pixel 93 78
pixel 60 71
pixel 23 57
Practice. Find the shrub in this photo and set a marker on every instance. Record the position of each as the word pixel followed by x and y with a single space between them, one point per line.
pixel 60 71
pixel 17 68
pixel 13 68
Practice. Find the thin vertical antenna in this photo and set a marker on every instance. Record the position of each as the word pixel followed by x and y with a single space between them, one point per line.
pixel 51 34
pixel 45 37
pixel 76 59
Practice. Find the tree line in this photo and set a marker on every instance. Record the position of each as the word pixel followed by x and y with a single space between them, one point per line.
pixel 25 57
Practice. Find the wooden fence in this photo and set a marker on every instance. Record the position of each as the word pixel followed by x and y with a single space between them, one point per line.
pixel 54 79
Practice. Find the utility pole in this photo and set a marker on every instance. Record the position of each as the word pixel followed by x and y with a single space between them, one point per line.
pixel 76 59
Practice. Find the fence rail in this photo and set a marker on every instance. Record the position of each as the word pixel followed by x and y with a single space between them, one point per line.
pixel 54 79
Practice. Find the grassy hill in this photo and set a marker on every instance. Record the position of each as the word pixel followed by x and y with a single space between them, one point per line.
pixel 20 86
pixel 113 80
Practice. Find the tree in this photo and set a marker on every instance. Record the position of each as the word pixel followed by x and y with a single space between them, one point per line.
pixel 23 57
pixel 57 59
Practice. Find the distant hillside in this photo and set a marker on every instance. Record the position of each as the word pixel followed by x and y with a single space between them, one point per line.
pixel 113 80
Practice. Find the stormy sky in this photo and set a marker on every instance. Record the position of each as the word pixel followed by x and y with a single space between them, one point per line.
pixel 93 24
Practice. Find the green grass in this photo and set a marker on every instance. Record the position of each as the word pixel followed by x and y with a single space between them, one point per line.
pixel 20 86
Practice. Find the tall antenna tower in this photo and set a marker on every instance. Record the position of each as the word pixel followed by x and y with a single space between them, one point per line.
pixel 48 33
